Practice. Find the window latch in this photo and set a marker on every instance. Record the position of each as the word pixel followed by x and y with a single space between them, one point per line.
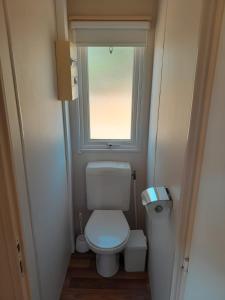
pixel 110 146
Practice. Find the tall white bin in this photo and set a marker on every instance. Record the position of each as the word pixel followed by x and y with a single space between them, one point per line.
pixel 135 252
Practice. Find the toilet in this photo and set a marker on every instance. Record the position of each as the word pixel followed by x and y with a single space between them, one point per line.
pixel 108 195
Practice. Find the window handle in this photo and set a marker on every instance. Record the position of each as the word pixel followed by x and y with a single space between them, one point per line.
pixel 110 145
pixel 73 61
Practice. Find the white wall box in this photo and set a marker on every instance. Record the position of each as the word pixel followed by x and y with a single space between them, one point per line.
pixel 135 252
pixel 67 75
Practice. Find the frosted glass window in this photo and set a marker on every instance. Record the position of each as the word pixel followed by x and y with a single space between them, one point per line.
pixel 110 80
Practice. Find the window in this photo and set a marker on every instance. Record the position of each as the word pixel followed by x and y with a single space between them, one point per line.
pixel 110 77
pixel 110 95
pixel 110 80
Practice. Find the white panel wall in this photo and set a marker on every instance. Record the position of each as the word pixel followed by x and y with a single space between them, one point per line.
pixel 136 159
pixel 206 276
pixel 111 8
pixel 32 33
pixel 175 59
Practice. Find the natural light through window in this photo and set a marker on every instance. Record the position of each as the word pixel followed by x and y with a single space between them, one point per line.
pixel 110 80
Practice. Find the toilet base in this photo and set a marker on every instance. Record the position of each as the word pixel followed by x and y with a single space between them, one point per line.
pixel 107 264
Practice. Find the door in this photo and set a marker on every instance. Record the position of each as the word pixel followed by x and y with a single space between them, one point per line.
pixel 13 279
pixel 206 273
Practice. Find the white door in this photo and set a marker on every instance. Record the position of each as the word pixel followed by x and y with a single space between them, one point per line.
pixel 13 275
pixel 206 275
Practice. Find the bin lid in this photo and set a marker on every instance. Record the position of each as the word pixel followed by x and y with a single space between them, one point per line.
pixel 137 239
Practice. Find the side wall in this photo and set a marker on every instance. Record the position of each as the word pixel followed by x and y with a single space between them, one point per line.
pixel 176 50
pixel 32 31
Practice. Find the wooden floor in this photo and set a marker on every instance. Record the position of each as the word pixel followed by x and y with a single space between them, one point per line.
pixel 83 283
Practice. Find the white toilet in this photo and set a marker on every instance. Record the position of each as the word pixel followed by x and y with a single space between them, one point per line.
pixel 108 195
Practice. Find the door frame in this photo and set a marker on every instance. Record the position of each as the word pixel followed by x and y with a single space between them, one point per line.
pixel 9 216
pixel 207 57
pixel 17 199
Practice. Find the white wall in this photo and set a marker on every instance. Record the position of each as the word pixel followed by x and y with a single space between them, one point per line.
pixel 175 59
pixel 32 32
pixel 113 8
pixel 80 160
pixel 206 276
pixel 138 159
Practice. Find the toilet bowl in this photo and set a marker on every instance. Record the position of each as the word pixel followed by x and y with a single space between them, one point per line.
pixel 107 233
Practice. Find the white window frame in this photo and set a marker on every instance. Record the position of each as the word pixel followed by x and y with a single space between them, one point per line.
pixel 87 144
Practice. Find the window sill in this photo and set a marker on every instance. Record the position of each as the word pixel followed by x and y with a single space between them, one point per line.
pixel 119 149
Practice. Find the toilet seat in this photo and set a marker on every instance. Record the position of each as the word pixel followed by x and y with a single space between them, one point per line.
pixel 107 231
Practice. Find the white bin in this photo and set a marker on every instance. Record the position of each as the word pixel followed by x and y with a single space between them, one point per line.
pixel 135 252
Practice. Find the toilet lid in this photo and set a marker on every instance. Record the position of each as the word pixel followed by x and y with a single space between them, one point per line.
pixel 107 228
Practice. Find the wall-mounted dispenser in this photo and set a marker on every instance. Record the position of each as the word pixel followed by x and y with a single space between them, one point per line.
pixel 156 198
pixel 67 70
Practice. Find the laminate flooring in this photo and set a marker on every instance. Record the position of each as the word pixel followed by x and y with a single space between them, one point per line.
pixel 83 282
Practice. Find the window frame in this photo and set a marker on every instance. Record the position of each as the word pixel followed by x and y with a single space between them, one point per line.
pixel 85 142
